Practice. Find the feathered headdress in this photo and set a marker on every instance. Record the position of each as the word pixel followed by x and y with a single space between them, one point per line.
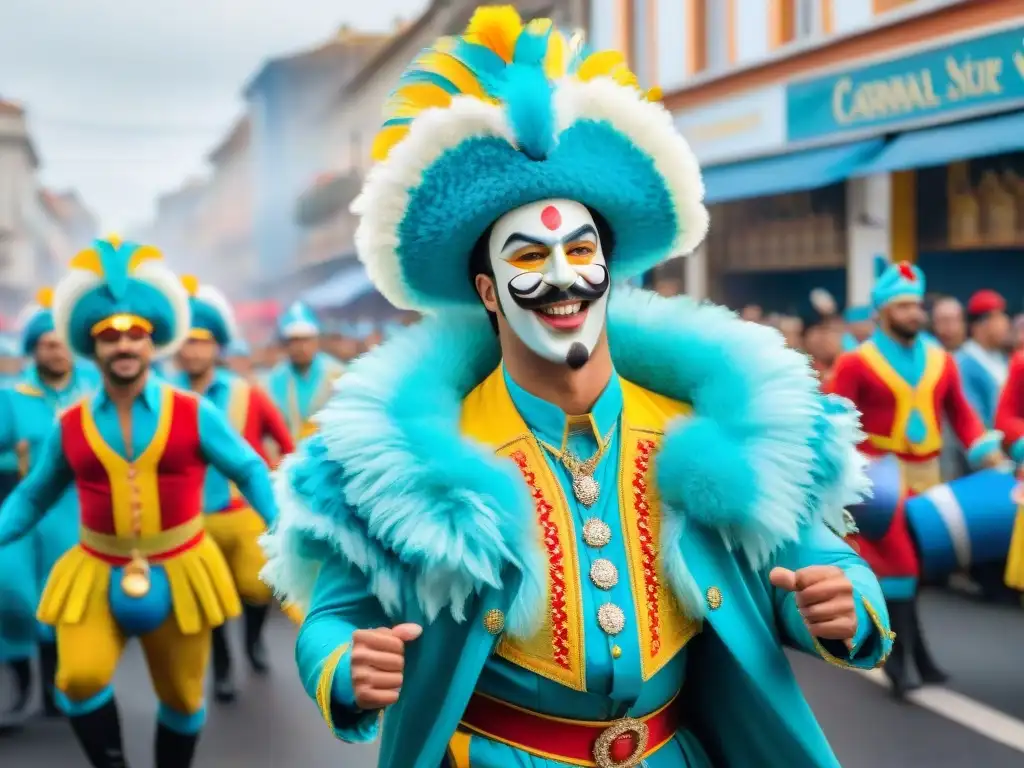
pixel 212 315
pixel 505 115
pixel 115 280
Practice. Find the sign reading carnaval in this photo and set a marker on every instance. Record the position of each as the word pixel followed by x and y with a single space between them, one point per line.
pixel 984 72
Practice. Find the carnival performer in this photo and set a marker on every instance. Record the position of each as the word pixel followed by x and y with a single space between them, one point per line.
pixel 513 526
pixel 51 384
pixel 904 386
pixel 1010 421
pixel 232 523
pixel 301 384
pixel 137 453
pixel 983 359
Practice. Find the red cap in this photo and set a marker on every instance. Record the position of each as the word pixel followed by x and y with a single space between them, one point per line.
pixel 983 302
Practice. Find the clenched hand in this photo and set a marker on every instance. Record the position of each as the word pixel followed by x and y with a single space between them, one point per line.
pixel 378 660
pixel 824 597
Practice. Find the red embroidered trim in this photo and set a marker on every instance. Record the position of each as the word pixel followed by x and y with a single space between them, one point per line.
pixel 556 569
pixel 643 516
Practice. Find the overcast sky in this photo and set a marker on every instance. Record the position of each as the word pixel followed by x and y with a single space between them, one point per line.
pixel 126 97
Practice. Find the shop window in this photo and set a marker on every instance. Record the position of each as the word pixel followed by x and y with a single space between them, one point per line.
pixel 972 204
pixel 806 19
pixel 716 34
pixel 640 44
pixel 795 231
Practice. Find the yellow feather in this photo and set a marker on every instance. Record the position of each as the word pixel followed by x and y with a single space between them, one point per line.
pixel 44 297
pixel 114 240
pixel 497 27
pixel 452 70
pixel 557 56
pixel 654 94
pixel 141 255
pixel 87 260
pixel 385 139
pixel 418 96
pixel 191 283
pixel 600 64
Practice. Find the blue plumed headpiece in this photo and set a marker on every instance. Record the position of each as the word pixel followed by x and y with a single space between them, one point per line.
pixel 509 114
pixel 896 281
pixel 35 320
pixel 298 321
pixel 212 316
pixel 114 283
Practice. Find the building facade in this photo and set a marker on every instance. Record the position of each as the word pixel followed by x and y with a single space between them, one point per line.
pixel 834 130
pixel 287 101
pixel 18 193
pixel 175 227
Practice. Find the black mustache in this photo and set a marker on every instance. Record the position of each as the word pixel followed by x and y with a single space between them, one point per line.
pixel 581 290
pixel 123 356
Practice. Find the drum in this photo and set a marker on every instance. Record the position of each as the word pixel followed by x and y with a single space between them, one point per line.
pixel 964 523
pixel 874 516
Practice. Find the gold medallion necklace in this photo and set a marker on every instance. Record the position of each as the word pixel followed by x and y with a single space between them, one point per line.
pixel 585 487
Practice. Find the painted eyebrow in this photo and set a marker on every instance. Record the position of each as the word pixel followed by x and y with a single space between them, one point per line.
pixel 519 237
pixel 578 234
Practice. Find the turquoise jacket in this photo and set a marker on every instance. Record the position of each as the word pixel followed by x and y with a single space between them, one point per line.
pixel 300 395
pixel 390 515
pixel 983 375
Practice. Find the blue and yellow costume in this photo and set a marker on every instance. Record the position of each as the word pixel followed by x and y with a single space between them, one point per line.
pixel 28 412
pixel 300 394
pixel 143 566
pixel 553 634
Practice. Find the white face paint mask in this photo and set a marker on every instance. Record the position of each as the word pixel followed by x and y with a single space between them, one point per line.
pixel 552 278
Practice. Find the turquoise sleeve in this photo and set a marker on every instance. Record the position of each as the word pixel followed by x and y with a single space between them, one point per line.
pixel 36 494
pixel 873 639
pixel 228 452
pixel 340 605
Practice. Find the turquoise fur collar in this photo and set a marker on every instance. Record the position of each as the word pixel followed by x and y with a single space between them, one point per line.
pixel 430 517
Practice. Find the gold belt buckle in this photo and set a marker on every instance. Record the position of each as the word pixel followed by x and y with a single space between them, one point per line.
pixel 603 745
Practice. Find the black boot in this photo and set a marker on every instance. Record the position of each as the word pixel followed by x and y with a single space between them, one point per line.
pixel 173 749
pixel 21 670
pixel 99 734
pixel 48 673
pixel 926 666
pixel 223 684
pixel 897 666
pixel 255 618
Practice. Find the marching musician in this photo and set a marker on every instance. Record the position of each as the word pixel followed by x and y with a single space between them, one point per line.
pixel 904 385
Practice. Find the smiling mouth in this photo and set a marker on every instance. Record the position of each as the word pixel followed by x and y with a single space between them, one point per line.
pixel 563 315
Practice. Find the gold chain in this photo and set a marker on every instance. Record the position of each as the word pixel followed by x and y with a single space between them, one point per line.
pixel 576 467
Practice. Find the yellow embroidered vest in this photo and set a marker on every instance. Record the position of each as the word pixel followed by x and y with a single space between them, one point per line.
pixel 557 651
pixel 908 399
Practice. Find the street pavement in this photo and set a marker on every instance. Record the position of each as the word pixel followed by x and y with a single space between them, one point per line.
pixel 275 725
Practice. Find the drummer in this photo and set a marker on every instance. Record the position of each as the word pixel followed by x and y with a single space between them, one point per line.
pixel 896 379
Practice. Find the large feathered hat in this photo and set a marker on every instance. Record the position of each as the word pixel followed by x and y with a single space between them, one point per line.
pixel 35 320
pixel 509 114
pixel 117 284
pixel 212 315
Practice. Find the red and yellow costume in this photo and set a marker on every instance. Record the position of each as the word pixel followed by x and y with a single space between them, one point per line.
pixel 1010 421
pixel 886 401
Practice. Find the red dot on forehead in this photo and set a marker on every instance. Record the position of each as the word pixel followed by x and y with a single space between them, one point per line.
pixel 551 218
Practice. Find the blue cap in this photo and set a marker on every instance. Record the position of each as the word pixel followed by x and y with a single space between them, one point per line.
pixel 212 316
pixel 858 313
pixel 896 281
pixel 298 321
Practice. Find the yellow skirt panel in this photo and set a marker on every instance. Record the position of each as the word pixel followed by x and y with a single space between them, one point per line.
pixel 1015 557
pixel 202 590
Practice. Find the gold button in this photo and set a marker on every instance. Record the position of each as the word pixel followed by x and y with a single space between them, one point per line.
pixel 714 598
pixel 494 621
pixel 616 652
